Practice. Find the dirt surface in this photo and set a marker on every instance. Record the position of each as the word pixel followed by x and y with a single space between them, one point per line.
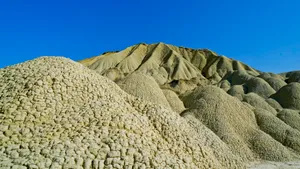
pixel 275 165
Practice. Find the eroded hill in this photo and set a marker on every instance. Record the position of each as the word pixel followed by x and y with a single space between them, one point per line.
pixel 148 106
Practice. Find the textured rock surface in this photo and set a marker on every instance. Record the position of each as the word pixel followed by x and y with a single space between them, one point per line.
pixel 292 76
pixel 174 101
pixel 279 130
pixel 289 96
pixel 225 85
pixel 220 149
pixel 275 83
pixel 144 87
pixel 234 123
pixel 258 102
pixel 170 107
pixel 290 117
pixel 237 91
pixel 266 75
pixel 274 104
pixel 238 77
pixel 241 126
pixel 259 86
pixel 275 165
pixel 166 63
pixel 56 113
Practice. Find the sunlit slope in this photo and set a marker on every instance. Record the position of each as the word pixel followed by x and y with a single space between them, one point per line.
pixel 165 63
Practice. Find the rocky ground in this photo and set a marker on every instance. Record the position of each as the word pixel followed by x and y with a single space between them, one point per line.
pixel 275 165
pixel 148 106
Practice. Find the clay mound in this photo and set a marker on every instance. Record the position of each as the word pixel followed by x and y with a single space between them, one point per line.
pixel 280 131
pixel 251 82
pixel 275 83
pixel 164 111
pixel 258 102
pixel 266 75
pixel 292 76
pixel 289 96
pixel 144 87
pixel 290 117
pixel 239 77
pixel 167 63
pixel 225 85
pixel 237 91
pixel 174 102
pixel 219 66
pixel 274 104
pixel 234 123
pixel 56 113
pixel 182 86
pixel 209 138
pixel 259 86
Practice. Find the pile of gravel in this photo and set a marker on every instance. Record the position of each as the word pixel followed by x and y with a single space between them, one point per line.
pixel 56 113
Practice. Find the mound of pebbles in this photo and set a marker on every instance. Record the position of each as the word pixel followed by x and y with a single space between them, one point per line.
pixel 56 113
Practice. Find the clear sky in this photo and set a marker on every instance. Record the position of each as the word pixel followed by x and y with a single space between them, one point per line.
pixel 262 33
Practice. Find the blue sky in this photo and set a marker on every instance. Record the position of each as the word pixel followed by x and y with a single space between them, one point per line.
pixel 262 33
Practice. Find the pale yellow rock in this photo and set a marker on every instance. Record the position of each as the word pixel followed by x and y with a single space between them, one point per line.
pixel 290 117
pixel 174 101
pixel 56 113
pixel 289 96
pixel 279 130
pixel 92 112
pixel 166 63
pixel 258 102
pixel 234 123
pixel 144 87
pixel 237 91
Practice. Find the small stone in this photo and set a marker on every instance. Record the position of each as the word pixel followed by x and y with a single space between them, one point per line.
pixel 14 154
pixel 45 152
pixel 108 161
pixel 117 166
pixel 87 163
pixel 130 151
pixel 113 154
pixel 40 83
pixel 59 160
pixel 101 164
pixel 3 127
pixel 55 166
pixel 24 152
pixel 95 163
pixel 8 133
pixel 19 167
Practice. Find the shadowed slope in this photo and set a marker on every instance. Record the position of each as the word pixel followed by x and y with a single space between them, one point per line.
pixel 289 96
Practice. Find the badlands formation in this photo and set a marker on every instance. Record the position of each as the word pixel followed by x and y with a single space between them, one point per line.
pixel 148 106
